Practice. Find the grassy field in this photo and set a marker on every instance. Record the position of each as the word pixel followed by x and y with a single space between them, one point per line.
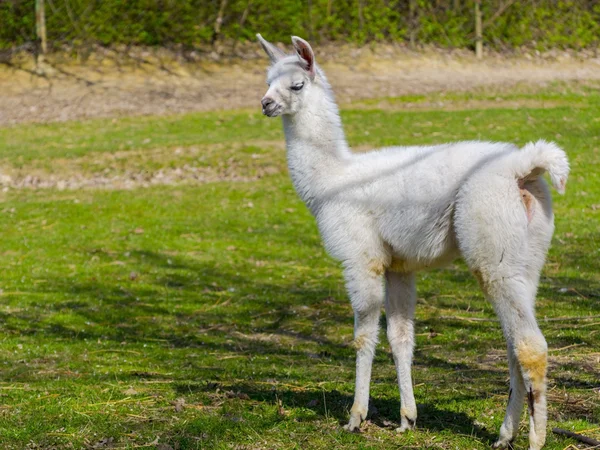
pixel 161 286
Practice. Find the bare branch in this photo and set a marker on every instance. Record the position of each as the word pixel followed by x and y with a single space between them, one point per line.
pixel 577 436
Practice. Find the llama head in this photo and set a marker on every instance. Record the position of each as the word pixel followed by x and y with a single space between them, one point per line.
pixel 291 78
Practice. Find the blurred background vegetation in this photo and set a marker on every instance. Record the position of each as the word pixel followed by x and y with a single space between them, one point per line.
pixel 209 24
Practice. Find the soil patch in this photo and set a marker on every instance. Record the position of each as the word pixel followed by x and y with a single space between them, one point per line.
pixel 153 85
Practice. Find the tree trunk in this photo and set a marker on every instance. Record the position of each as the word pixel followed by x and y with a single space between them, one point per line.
pixel 219 21
pixel 361 19
pixel 40 26
pixel 310 21
pixel 242 22
pixel 329 10
pixel 412 13
pixel 478 30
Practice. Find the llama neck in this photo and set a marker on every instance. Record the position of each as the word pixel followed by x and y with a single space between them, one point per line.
pixel 316 146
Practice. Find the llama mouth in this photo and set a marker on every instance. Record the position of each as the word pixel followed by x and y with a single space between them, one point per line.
pixel 272 112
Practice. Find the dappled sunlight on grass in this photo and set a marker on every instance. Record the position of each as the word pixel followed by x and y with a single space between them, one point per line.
pixel 204 314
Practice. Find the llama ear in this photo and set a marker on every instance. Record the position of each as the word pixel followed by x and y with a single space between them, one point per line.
pixel 306 55
pixel 271 50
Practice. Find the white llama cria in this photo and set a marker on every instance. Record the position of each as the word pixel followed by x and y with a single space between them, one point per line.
pixel 390 212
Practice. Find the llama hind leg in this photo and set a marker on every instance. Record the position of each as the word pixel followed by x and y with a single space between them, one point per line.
pixel 400 301
pixel 504 240
pixel 513 300
pixel 366 291
pixel 516 396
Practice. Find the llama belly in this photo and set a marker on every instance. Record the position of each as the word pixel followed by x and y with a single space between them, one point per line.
pixel 418 242
pixel 401 264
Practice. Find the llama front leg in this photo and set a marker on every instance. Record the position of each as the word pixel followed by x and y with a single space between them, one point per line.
pixel 366 291
pixel 401 298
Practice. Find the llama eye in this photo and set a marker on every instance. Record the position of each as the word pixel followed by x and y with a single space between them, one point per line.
pixel 297 87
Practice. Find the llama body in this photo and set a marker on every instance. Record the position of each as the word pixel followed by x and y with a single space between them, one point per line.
pixel 389 213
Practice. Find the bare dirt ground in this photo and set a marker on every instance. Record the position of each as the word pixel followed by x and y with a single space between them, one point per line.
pixel 144 168
pixel 155 83
pixel 146 82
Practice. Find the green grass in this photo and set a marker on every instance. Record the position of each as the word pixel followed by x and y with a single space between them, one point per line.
pixel 205 314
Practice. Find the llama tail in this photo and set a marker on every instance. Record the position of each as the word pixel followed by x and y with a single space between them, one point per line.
pixel 538 157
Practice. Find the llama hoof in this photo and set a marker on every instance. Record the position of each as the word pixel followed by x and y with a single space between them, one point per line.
pixel 354 425
pixel 350 428
pixel 536 447
pixel 405 423
pixel 405 427
pixel 502 443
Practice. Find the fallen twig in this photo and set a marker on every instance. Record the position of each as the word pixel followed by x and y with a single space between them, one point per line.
pixel 468 319
pixel 579 437
pixel 548 319
pixel 114 350
pixel 565 348
pixel 587 325
pixel 125 400
pixel 568 318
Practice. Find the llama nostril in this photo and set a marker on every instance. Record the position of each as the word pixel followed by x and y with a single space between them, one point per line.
pixel 266 102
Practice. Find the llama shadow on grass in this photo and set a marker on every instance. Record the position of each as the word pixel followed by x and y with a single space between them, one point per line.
pixel 383 413
pixel 112 302
pixel 120 307
pixel 123 305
